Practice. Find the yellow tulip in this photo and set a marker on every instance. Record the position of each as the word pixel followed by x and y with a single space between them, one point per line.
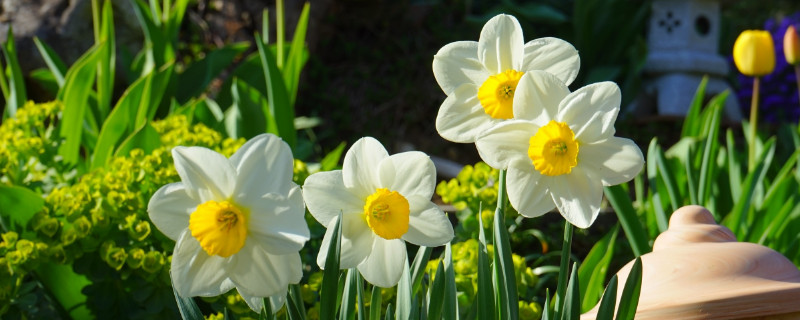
pixel 754 53
pixel 791 46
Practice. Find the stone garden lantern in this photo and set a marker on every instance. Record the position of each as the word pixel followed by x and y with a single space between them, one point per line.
pixel 682 42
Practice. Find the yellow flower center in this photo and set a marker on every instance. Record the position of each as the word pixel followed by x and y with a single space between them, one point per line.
pixel 497 94
pixel 386 213
pixel 553 149
pixel 220 227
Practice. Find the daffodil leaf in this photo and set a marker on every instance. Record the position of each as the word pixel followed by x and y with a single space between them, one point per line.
pixel 485 289
pixel 16 96
pixel 628 219
pixel 52 60
pixel 418 267
pixel 737 219
pixel 609 301
pixel 547 310
pixel 404 299
pixel 188 308
pixel 506 298
pixel 572 300
pixel 655 188
pixel 450 307
pixel 711 148
pixel 330 277
pixel 107 60
pixel 196 78
pixel 348 309
pixel 361 312
pixel 630 293
pixel 279 104
pixel 561 286
pixel 389 312
pixel 593 271
pixel 734 166
pixel 75 94
pixel 331 160
pixel 691 124
pixel 437 294
pixel 375 304
pixel 298 55
pixel 266 310
pixel 294 303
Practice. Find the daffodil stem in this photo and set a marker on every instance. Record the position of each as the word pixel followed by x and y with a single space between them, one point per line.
pixel 751 159
pixel 563 269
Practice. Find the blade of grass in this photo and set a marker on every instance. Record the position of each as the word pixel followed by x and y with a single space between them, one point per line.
pixel 628 219
pixel 609 301
pixel 330 278
pixel 418 268
pixel 629 300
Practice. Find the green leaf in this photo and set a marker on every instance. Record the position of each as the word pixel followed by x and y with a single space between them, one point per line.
pixel 75 95
pixel 592 272
pixel 17 206
pixel 736 220
pixel 572 302
pixel 734 166
pixel 52 60
pixel 375 304
pixel 691 124
pixel 145 138
pixel 46 80
pixel 630 293
pixel 362 314
pixel 652 179
pixel 667 176
pixel 348 306
pixel 547 311
pixel 331 160
pixel 66 285
pixel 404 300
pixel 609 301
pixel 437 294
pixel 330 277
pixel 298 55
pixel 279 104
pixel 628 218
pixel 505 283
pixel 107 61
pixel 450 305
pixel 196 78
pixel 249 115
pixel 418 268
pixel 563 270
pixel 295 306
pixel 16 81
pixel 711 147
pixel 486 307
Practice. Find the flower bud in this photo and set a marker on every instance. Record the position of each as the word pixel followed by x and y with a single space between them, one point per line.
pixel 135 258
pixel 139 230
pixel 116 257
pixel 82 226
pixel 10 239
pixel 791 45
pixel 48 226
pixel 153 261
pixel 69 236
pixel 754 53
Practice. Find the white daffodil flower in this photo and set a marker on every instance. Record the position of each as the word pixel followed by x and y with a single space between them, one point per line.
pixel 480 78
pixel 562 156
pixel 238 222
pixel 384 201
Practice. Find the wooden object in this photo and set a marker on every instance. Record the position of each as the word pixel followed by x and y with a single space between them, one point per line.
pixel 698 270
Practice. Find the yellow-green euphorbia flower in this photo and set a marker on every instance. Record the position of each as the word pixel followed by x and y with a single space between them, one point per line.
pixel 384 201
pixel 563 156
pixel 754 53
pixel 791 46
pixel 238 222
pixel 480 78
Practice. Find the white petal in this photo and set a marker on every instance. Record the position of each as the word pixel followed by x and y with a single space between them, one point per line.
pixel 528 191
pixel 263 165
pixel 257 273
pixel 326 196
pixel 591 111
pixel 360 168
pixel 577 197
pixel 207 175
pixel 384 266
pixel 456 64
pixel 194 272
pixel 169 209
pixel 257 303
pixel 428 225
pixel 413 174
pixel 538 96
pixel 613 161
pixel 501 44
pixel 506 143
pixel 356 244
pixel 461 117
pixel 553 55
pixel 279 223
